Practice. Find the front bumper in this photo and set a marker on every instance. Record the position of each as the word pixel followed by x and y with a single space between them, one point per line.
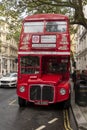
pixel 8 83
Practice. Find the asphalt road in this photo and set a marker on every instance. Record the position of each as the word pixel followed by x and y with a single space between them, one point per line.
pixel 32 117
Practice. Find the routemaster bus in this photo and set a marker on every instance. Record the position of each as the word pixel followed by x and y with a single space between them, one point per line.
pixel 44 60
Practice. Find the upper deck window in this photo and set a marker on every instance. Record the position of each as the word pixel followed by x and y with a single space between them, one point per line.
pixel 56 26
pixel 30 27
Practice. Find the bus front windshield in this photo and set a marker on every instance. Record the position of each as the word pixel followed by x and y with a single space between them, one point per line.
pixel 56 26
pixel 30 27
pixel 50 26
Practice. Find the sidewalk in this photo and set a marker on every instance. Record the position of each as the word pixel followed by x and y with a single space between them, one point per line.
pixel 80 113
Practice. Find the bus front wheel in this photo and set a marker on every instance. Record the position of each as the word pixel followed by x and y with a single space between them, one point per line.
pixel 67 104
pixel 21 102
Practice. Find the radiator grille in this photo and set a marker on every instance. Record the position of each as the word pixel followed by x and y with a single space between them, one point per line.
pixel 41 92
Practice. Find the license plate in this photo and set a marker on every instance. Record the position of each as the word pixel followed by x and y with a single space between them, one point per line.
pixel 41 102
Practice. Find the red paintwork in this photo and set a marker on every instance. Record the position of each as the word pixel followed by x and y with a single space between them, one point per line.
pixel 55 80
pixel 38 17
pixel 59 80
pixel 44 17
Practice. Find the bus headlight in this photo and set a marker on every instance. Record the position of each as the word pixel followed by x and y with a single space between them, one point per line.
pixel 62 91
pixel 22 89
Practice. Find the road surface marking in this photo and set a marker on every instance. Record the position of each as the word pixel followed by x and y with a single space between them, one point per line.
pixel 11 103
pixel 65 123
pixel 66 120
pixel 41 127
pixel 53 120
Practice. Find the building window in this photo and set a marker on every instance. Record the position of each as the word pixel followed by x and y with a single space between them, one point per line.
pixel 85 58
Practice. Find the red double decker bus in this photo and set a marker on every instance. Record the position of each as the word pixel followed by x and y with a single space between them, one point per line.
pixel 44 60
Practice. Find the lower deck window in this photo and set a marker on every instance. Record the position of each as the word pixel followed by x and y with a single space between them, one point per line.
pixel 55 64
pixel 29 64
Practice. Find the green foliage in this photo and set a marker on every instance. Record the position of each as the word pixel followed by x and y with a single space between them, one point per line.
pixel 73 30
pixel 11 15
pixel 16 36
pixel 8 36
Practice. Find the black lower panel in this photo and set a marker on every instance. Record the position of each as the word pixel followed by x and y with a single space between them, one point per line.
pixel 44 92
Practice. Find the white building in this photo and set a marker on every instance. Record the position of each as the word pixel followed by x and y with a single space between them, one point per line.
pixel 8 50
pixel 81 46
pixel 81 49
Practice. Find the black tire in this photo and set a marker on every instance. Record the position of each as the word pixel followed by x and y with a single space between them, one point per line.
pixel 67 104
pixel 21 102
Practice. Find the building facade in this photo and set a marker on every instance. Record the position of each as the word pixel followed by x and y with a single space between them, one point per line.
pixel 81 49
pixel 8 50
pixel 73 50
pixel 81 45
